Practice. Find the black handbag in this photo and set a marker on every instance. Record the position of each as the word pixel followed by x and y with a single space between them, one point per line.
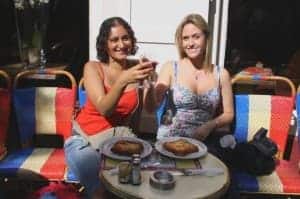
pixel 264 144
pixel 256 157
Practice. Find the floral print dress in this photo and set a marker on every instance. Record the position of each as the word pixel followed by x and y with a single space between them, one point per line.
pixel 190 109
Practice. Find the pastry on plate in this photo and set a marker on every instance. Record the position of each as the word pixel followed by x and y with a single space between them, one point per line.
pixel 127 147
pixel 180 147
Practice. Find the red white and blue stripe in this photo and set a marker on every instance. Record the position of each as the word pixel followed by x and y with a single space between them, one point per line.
pixel 273 113
pixel 41 110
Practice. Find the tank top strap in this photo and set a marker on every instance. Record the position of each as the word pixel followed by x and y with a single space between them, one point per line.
pixel 218 75
pixel 101 72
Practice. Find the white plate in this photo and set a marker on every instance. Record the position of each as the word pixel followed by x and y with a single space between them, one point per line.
pixel 201 146
pixel 108 144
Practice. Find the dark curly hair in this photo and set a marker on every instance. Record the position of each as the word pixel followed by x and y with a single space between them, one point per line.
pixel 102 38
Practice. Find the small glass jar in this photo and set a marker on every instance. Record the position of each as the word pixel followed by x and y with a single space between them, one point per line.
pixel 124 174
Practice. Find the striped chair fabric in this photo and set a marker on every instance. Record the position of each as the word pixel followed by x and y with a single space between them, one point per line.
pixel 273 113
pixel 81 93
pixel 41 111
pixel 298 111
pixel 5 93
pixel 284 180
pixel 44 110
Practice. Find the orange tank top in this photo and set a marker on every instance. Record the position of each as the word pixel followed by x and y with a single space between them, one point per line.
pixel 92 122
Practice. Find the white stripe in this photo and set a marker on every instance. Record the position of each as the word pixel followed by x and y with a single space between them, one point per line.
pixel 270 183
pixel 45 110
pixel 37 159
pixel 259 113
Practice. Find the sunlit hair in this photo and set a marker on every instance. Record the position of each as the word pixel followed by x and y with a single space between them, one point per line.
pixel 103 36
pixel 200 23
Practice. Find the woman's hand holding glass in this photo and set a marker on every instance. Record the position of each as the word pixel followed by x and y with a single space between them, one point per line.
pixel 147 81
pixel 137 73
pixel 152 76
pixel 146 71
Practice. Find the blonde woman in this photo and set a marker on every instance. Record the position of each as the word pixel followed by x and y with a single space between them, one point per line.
pixel 197 88
pixel 200 93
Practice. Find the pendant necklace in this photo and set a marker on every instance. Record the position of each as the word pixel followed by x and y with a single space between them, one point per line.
pixel 199 75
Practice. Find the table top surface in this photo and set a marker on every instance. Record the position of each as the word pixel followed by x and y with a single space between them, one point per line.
pixel 198 186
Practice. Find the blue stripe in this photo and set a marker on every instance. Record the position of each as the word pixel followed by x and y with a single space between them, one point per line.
pixel 161 109
pixel 24 104
pixel 298 106
pixel 241 117
pixel 12 162
pixel 245 182
pixel 81 96
pixel 298 114
pixel 257 77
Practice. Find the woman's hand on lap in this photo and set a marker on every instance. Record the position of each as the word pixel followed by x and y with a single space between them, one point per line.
pixel 202 132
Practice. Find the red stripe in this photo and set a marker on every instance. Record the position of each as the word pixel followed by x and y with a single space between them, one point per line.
pixel 4 113
pixel 64 109
pixel 55 167
pixel 281 112
pixel 288 171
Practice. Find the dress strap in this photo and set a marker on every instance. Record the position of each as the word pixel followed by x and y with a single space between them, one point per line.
pixel 175 68
pixel 218 76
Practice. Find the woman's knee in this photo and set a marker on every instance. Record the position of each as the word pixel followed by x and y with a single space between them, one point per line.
pixel 75 142
pixel 79 150
pixel 83 161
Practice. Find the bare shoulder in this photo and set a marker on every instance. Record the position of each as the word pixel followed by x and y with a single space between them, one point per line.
pixel 91 65
pixel 225 76
pixel 165 73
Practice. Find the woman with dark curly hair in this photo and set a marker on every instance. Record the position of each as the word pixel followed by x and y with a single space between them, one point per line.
pixel 111 86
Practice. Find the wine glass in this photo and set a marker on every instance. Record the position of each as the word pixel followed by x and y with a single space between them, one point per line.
pixel 136 59
pixel 143 57
pixel 153 76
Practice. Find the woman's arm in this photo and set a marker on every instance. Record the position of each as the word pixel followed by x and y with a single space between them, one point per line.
pixel 227 115
pixel 155 93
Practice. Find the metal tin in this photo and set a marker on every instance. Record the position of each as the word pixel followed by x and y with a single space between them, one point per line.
pixel 124 173
pixel 162 180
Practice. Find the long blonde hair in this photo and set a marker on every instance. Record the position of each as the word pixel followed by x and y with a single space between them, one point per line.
pixel 200 23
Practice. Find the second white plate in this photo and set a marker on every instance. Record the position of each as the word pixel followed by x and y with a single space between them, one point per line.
pixel 201 146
